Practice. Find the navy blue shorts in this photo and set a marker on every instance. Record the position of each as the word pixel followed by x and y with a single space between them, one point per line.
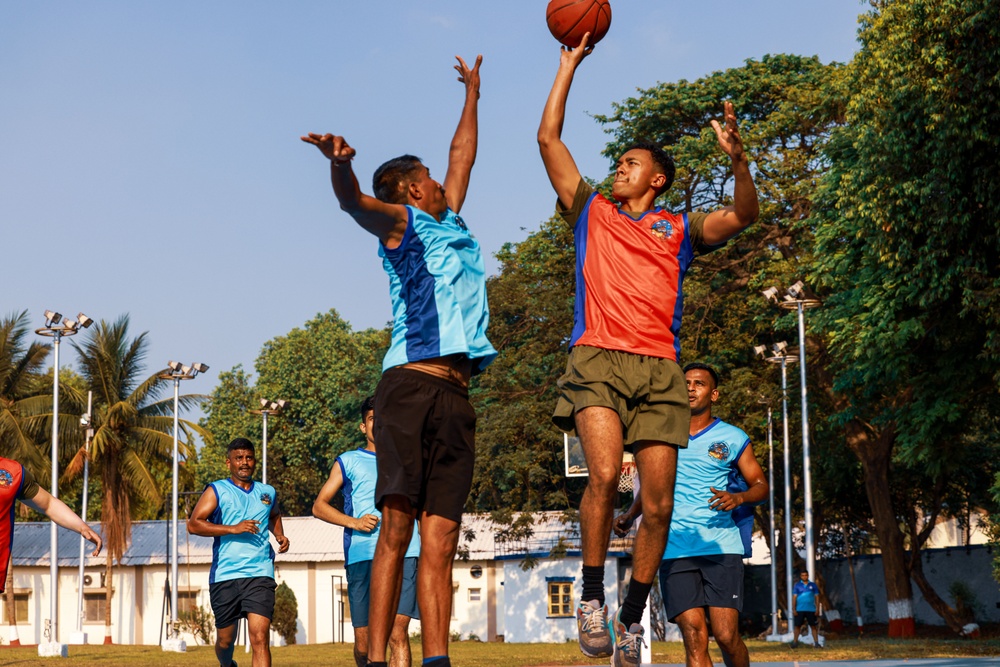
pixel 806 618
pixel 701 581
pixel 359 578
pixel 233 599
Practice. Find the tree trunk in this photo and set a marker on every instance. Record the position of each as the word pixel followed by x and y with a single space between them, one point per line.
pixel 9 603
pixel 942 608
pixel 108 590
pixel 874 451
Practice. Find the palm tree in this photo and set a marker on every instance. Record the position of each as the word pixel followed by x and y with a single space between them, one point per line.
pixel 133 433
pixel 20 364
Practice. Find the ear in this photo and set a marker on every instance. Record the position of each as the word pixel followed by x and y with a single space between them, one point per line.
pixel 362 428
pixel 658 181
pixel 414 191
pixel 715 395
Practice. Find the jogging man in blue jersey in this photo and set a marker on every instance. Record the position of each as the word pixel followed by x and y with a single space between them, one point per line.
pixel 703 563
pixel 355 472
pixel 239 512
pixel 426 425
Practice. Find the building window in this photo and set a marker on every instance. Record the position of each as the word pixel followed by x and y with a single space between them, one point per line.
pixel 187 602
pixel 21 606
pixel 454 594
pixel 475 594
pixel 94 606
pixel 476 571
pixel 560 599
pixel 345 601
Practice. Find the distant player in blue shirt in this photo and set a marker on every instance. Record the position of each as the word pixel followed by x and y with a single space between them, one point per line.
pixel 356 473
pixel 239 512
pixel 426 425
pixel 806 606
pixel 703 563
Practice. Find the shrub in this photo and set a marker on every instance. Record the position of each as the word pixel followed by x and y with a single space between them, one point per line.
pixel 286 613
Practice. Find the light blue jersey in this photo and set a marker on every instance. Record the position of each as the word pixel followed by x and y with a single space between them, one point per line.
pixel 696 529
pixel 360 474
pixel 437 282
pixel 242 555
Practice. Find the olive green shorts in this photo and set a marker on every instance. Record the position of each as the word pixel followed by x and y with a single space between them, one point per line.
pixel 648 393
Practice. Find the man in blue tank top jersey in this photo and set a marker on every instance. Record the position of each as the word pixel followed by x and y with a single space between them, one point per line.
pixel 703 563
pixel 238 513
pixel 426 426
pixel 355 472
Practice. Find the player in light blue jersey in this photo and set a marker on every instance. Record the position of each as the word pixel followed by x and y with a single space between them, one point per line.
pixel 703 563
pixel 426 425
pixel 238 513
pixel 355 472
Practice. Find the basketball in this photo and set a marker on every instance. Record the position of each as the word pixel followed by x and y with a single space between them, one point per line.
pixel 568 20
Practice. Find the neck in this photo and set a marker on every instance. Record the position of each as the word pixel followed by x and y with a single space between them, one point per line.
pixel 370 447
pixel 240 483
pixel 637 205
pixel 700 421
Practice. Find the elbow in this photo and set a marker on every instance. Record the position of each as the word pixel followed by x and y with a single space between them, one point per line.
pixel 316 510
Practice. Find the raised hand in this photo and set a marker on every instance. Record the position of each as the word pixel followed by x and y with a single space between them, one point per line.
pixel 729 138
pixel 470 77
pixel 573 57
pixel 334 147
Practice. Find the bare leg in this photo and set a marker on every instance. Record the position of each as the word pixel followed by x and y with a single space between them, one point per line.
pixel 600 431
pixel 438 543
pixel 387 572
pixel 695 633
pixel 657 466
pixel 260 641
pixel 399 642
pixel 361 646
pixel 224 639
pixel 725 628
pixel 815 631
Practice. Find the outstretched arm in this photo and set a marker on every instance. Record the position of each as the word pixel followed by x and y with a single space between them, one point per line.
pixel 559 164
pixel 725 223
pixel 386 221
pixel 322 509
pixel 465 143
pixel 62 515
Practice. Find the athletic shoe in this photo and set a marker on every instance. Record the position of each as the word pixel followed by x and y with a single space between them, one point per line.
pixel 626 644
pixel 794 644
pixel 591 622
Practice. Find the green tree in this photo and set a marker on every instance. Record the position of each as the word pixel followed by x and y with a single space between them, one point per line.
pixel 132 446
pixel 908 240
pixel 286 612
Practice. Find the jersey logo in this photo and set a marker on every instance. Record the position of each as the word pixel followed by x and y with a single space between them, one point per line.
pixel 719 451
pixel 662 229
pixel 461 223
pixel 266 499
pixel 6 479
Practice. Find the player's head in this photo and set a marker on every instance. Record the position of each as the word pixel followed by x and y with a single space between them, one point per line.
pixel 368 420
pixel 240 459
pixel 642 165
pixel 804 575
pixel 405 180
pixel 702 386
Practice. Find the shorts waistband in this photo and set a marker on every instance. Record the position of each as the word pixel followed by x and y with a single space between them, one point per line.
pixel 427 378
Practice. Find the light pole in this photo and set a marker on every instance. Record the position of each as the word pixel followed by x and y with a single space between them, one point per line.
pixel 54 330
pixel 782 355
pixel 796 299
pixel 770 501
pixel 268 407
pixel 86 421
pixel 176 372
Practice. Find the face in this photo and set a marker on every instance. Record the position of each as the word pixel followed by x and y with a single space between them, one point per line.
pixel 368 428
pixel 241 464
pixel 635 175
pixel 804 576
pixel 701 390
pixel 428 193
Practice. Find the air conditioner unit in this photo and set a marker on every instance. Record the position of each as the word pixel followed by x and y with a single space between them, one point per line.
pixel 91 581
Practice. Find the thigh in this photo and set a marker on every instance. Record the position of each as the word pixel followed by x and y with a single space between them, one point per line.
pixel 359 576
pixel 257 596
pixel 408 591
pixel 450 452
pixel 681 586
pixel 723 576
pixel 590 381
pixel 224 597
pixel 402 406
pixel 662 412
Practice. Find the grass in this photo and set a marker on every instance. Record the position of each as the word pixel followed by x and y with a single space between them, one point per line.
pixel 476 654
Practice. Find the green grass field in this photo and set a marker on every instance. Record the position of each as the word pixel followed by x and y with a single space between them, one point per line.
pixel 475 654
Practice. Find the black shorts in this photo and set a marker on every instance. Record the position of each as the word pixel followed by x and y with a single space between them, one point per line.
pixel 701 581
pixel 806 618
pixel 425 432
pixel 233 599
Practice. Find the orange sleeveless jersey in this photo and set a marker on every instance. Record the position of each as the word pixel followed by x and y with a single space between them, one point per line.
pixel 11 482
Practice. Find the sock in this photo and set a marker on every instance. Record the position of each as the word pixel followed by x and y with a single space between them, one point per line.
pixel 437 661
pixel 593 584
pixel 377 664
pixel 635 602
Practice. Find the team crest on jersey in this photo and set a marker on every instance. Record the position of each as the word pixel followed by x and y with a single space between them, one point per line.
pixel 662 229
pixel 6 479
pixel 719 451
pixel 266 499
pixel 461 223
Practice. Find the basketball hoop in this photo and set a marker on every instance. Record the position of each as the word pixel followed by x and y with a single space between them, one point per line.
pixel 627 479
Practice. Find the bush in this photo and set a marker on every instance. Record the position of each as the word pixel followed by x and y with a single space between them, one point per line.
pixel 286 613
pixel 198 622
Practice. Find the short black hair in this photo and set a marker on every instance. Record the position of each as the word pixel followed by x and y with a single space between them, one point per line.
pixel 697 366
pixel 660 157
pixel 239 443
pixel 392 180
pixel 367 406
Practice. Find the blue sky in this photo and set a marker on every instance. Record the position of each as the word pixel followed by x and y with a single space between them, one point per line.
pixel 150 158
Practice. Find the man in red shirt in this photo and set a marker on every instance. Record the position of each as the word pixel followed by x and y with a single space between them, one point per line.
pixel 17 483
pixel 623 385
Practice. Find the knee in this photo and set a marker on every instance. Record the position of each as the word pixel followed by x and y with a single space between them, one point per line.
pixel 695 637
pixel 223 643
pixel 259 637
pixel 603 481
pixel 658 510
pixel 727 639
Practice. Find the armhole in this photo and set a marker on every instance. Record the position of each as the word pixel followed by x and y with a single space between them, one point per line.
pixel 736 461
pixel 216 516
pixel 407 235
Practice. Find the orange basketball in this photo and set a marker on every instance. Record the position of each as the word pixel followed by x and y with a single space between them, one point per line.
pixel 568 20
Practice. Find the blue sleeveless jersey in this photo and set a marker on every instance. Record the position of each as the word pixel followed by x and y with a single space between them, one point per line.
pixel 360 473
pixel 709 459
pixel 243 555
pixel 437 282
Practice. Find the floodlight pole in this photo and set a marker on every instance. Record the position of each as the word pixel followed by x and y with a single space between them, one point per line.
pixel 267 407
pixel 789 542
pixel 770 485
pixel 83 507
